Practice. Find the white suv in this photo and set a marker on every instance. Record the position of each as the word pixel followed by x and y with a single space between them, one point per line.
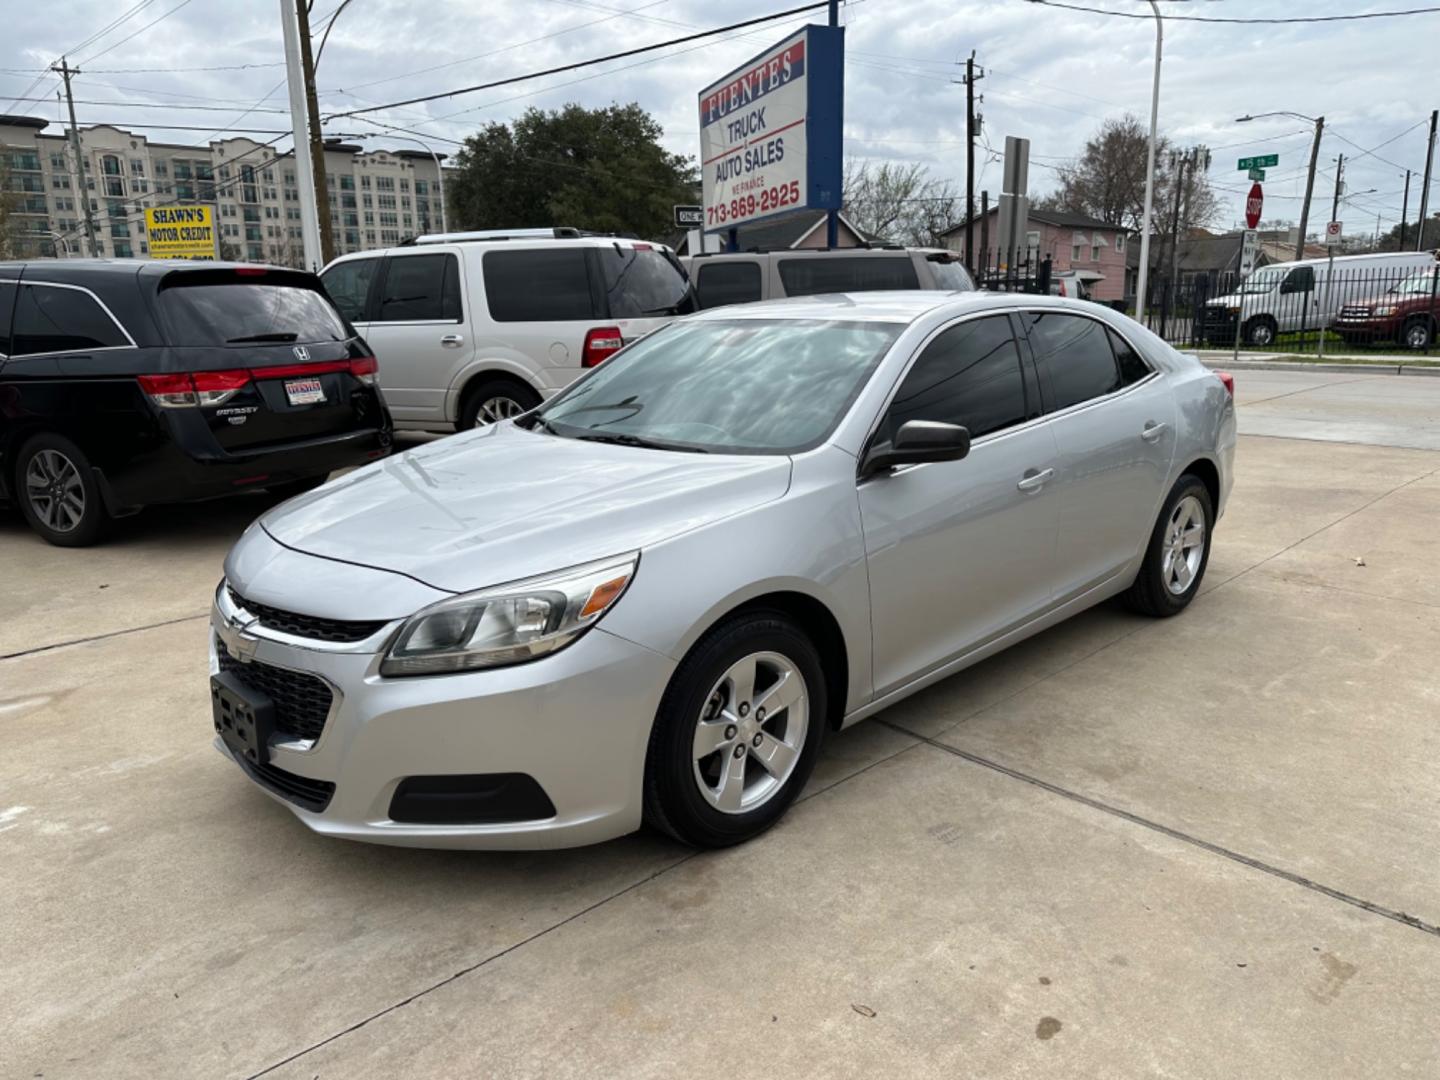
pixel 470 328
pixel 747 276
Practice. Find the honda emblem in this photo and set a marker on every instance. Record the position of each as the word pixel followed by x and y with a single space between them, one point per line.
pixel 301 353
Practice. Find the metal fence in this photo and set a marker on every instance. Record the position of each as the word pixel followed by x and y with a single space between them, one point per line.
pixel 1309 308
pixel 993 272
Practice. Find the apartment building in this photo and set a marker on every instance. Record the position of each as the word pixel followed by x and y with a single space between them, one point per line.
pixel 377 197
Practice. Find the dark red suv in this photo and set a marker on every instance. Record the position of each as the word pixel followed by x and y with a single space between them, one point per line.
pixel 1408 313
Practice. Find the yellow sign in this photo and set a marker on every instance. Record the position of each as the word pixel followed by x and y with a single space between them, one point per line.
pixel 181 232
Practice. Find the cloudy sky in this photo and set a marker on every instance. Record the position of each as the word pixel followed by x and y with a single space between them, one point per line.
pixel 1053 75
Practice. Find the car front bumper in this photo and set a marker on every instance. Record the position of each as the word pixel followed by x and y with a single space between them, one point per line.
pixel 577 722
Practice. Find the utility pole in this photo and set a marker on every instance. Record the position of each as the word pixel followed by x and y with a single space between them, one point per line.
pixel 1425 187
pixel 317 142
pixel 832 217
pixel 77 174
pixel 1404 211
pixel 972 130
pixel 299 129
pixel 1309 187
pixel 1339 187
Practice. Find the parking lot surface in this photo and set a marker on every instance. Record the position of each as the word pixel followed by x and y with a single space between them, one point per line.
pixel 1200 847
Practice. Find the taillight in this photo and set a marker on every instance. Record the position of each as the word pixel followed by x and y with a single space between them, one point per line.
pixel 218 387
pixel 364 369
pixel 169 391
pixel 1228 380
pixel 600 343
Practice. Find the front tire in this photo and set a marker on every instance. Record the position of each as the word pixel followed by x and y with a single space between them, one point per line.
pixel 737 733
pixel 1178 551
pixel 1260 333
pixel 495 399
pixel 1418 334
pixel 57 492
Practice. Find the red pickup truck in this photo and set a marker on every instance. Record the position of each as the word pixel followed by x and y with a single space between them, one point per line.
pixel 1408 313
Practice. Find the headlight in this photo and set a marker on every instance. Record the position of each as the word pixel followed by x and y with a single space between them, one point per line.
pixel 1383 311
pixel 508 624
pixel 1233 309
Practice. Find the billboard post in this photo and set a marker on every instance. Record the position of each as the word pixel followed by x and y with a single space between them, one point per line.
pixel 770 139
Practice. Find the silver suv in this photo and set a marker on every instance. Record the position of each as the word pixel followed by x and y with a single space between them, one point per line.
pixel 745 277
pixel 475 327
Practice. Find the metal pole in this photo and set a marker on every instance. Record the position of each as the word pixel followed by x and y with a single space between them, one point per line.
pixel 1404 211
pixel 1425 187
pixel 1309 187
pixel 1329 274
pixel 970 162
pixel 1141 285
pixel 984 227
pixel 299 125
pixel 832 217
pixel 78 176
pixel 1339 185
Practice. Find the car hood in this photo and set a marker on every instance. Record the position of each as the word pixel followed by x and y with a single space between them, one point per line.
pixel 502 503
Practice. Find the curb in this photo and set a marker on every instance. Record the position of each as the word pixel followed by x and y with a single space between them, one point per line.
pixel 1339 369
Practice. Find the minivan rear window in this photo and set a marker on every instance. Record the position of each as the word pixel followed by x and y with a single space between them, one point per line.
pixel 643 280
pixel 226 307
pixel 828 274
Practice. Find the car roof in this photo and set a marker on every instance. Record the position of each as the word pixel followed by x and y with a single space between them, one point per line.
pixel 897 306
pixel 516 243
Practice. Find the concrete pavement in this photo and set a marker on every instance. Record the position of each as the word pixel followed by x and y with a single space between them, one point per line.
pixel 1199 847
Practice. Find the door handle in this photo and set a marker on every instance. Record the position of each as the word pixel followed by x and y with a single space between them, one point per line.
pixel 1153 432
pixel 1034 481
pixel 452 341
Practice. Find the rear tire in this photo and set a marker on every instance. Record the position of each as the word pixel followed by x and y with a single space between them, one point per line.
pixel 57 492
pixel 737 733
pixel 494 399
pixel 1176 556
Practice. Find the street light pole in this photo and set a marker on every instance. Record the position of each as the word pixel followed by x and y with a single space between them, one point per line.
pixel 439 169
pixel 1143 282
pixel 1319 122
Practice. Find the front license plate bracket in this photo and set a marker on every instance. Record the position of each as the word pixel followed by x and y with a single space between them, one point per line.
pixel 244 718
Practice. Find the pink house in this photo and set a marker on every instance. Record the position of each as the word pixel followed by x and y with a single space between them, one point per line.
pixel 1095 250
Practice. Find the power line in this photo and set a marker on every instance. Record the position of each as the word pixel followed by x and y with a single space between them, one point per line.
pixel 1261 21
pixel 137 33
pixel 584 63
pixel 151 105
pixel 177 70
pixel 111 25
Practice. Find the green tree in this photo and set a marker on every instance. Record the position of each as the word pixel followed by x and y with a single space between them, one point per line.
pixel 601 169
pixel 1429 242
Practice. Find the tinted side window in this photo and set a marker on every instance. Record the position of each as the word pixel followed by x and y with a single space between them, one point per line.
pixel 1076 351
pixel 348 284
pixel 968 375
pixel 1133 367
pixel 7 302
pixel 538 286
pixel 420 287
pixel 49 319
pixel 728 283
pixel 1301 280
pixel 827 274
pixel 641 281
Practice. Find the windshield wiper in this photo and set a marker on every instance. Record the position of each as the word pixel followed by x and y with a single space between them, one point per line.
pixel 253 338
pixel 636 440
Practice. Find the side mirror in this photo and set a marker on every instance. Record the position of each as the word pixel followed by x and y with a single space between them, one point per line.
pixel 918 442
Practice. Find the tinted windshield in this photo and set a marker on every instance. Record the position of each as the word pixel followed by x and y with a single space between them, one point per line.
pixel 734 386
pixel 1263 281
pixel 950 273
pixel 1420 283
pixel 643 280
pixel 223 308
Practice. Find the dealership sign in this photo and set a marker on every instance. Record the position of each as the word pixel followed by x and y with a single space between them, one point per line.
pixel 181 232
pixel 770 132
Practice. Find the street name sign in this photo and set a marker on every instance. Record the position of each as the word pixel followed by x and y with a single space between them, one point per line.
pixel 1257 174
pixel 770 132
pixel 1263 161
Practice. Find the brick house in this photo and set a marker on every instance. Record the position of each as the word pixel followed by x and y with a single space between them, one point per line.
pixel 1095 250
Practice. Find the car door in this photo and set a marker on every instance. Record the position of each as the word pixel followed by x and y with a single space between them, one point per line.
pixel 1113 418
pixel 1299 301
pixel 419 330
pixel 960 551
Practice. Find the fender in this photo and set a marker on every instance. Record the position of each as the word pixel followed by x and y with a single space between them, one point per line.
pixel 481 365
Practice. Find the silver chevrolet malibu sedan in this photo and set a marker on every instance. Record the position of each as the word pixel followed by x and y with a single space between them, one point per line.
pixel 650 599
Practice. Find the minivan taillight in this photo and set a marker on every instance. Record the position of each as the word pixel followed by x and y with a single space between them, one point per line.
pixel 364 369
pixel 600 343
pixel 187 391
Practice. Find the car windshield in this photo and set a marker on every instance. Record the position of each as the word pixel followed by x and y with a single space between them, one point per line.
pixel 1416 284
pixel 740 386
pixel 1263 281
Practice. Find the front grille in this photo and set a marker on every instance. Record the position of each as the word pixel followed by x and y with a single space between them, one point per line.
pixel 1354 312
pixel 306 626
pixel 301 790
pixel 302 702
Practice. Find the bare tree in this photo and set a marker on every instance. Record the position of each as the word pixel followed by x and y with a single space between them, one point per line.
pixel 900 202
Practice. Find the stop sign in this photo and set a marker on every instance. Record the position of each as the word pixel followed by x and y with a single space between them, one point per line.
pixel 1253 202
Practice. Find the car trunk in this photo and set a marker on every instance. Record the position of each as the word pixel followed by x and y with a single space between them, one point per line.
pixel 271 359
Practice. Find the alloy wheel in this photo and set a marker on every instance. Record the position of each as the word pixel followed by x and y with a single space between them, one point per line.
pixel 1417 336
pixel 1261 334
pixel 55 490
pixel 494 409
pixel 1184 545
pixel 750 733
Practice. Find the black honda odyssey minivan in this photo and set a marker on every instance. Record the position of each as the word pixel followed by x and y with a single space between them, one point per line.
pixel 129 383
